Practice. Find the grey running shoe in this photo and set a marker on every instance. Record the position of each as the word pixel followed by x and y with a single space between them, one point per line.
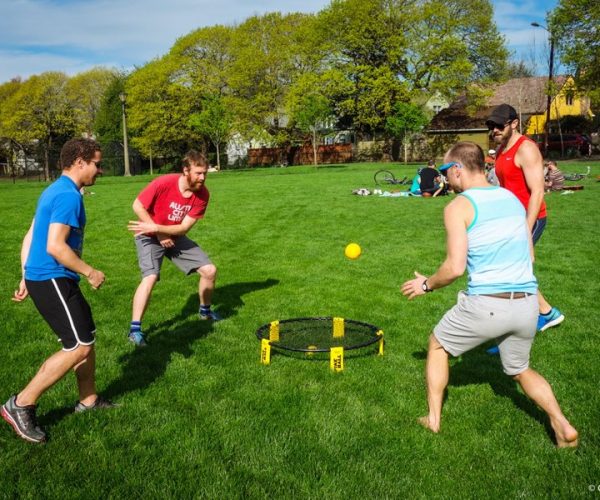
pixel 99 404
pixel 138 338
pixel 23 420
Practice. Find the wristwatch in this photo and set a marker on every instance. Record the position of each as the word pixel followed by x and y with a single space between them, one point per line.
pixel 426 288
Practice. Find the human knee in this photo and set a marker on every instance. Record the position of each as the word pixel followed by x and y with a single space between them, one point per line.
pixel 150 280
pixel 208 272
pixel 82 352
pixel 434 343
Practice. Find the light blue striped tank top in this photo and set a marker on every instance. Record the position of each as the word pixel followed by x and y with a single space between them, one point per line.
pixel 498 258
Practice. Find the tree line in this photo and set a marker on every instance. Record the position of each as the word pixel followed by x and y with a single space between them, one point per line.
pixel 362 65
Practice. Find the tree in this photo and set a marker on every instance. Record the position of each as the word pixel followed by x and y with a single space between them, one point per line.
pixel 86 91
pixel 310 113
pixel 406 120
pixel 108 123
pixel 159 107
pixel 40 112
pixel 574 26
pixel 215 121
pixel 8 147
pixel 519 69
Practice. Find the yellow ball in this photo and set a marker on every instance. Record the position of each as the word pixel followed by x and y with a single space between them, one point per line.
pixel 352 251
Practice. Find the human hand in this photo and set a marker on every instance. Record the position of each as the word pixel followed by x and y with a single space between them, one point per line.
pixel 414 287
pixel 165 240
pixel 20 294
pixel 96 278
pixel 139 227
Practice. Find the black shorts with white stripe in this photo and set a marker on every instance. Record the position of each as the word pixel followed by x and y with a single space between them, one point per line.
pixel 63 306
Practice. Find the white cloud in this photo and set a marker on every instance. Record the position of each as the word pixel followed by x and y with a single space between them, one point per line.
pixel 68 35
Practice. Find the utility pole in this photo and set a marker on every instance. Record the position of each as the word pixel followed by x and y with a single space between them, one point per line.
pixel 550 86
pixel 123 97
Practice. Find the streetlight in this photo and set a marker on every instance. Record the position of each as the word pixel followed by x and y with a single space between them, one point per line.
pixel 550 71
pixel 123 97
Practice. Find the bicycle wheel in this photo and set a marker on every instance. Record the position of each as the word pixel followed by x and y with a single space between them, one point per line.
pixel 384 177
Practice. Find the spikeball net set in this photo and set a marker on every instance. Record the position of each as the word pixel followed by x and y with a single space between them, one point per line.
pixel 318 335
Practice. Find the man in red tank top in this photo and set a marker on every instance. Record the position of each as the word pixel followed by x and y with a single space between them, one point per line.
pixel 520 169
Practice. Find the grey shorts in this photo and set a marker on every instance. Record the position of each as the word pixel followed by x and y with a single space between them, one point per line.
pixel 476 319
pixel 186 255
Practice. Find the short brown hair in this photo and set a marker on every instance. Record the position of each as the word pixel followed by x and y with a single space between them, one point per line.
pixel 468 154
pixel 193 157
pixel 79 147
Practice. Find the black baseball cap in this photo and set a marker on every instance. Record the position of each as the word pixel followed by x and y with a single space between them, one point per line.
pixel 502 114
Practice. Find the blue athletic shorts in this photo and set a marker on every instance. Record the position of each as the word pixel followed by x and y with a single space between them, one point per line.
pixel 538 229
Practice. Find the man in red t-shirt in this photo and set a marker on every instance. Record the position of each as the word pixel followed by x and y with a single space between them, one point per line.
pixel 167 209
pixel 520 169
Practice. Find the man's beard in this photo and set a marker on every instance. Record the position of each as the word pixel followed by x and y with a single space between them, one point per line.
pixel 194 186
pixel 503 137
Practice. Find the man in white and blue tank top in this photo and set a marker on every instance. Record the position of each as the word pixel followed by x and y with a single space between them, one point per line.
pixel 487 234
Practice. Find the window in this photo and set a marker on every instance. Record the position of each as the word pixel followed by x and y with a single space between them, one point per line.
pixel 569 98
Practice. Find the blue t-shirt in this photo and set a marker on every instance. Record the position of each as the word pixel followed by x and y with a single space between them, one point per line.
pixel 61 202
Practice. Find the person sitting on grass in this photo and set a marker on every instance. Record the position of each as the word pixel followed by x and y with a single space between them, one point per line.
pixel 555 179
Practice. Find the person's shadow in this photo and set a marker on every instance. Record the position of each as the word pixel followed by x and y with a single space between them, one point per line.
pixel 478 367
pixel 142 366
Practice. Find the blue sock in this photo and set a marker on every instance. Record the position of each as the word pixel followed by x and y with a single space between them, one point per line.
pixel 136 326
pixel 204 310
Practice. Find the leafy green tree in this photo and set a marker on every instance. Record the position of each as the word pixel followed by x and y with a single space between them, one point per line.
pixel 8 147
pixel 86 91
pixel 215 121
pixel 574 25
pixel 159 108
pixel 406 120
pixel 40 112
pixel 311 112
pixel 108 123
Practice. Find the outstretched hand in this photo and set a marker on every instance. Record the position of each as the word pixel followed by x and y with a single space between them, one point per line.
pixel 414 287
pixel 139 227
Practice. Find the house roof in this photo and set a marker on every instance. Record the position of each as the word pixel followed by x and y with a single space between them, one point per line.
pixel 527 95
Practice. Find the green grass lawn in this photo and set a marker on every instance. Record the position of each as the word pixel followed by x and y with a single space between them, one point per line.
pixel 199 415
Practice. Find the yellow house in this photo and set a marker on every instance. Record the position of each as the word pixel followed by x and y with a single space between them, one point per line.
pixel 567 102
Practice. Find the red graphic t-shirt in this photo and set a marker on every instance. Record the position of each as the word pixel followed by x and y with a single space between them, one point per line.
pixel 167 206
pixel 512 178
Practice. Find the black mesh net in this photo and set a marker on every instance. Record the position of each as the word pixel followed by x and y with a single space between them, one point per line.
pixel 319 334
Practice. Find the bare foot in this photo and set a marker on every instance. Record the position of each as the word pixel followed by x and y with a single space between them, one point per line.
pixel 424 421
pixel 566 435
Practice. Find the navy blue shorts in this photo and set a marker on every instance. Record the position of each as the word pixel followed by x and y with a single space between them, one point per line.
pixel 63 306
pixel 538 229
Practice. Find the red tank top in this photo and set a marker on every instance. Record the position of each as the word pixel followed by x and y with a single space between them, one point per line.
pixel 511 177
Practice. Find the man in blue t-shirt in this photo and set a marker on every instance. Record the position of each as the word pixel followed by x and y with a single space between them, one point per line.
pixel 51 261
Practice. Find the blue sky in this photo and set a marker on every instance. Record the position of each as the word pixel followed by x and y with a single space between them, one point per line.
pixel 75 35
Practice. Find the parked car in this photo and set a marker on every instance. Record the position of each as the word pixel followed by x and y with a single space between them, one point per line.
pixel 567 144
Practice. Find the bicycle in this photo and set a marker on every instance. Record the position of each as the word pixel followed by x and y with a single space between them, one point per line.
pixel 577 176
pixel 386 177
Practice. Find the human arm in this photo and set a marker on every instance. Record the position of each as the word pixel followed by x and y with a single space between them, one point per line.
pixel 21 294
pixel 147 225
pixel 530 160
pixel 457 216
pixel 58 248
pixel 140 210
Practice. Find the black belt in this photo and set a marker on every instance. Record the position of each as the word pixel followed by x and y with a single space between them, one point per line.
pixel 508 295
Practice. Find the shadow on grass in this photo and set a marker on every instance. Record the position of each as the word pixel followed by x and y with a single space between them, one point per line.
pixel 143 366
pixel 478 367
